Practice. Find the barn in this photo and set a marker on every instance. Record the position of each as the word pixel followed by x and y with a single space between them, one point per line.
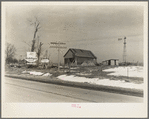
pixel 111 62
pixel 76 57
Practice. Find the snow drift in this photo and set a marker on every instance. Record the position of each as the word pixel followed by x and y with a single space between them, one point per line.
pixel 105 82
pixel 130 71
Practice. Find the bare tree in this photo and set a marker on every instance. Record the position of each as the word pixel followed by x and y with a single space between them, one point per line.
pixel 36 48
pixel 10 52
pixel 39 51
pixel 36 24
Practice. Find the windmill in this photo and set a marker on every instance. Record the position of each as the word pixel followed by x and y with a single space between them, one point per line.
pixel 124 49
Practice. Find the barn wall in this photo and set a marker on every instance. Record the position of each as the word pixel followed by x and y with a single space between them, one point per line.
pixel 66 61
pixel 117 62
pixel 80 60
pixel 112 62
pixel 69 60
pixel 69 54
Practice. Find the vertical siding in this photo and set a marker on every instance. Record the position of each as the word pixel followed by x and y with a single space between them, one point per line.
pixel 112 62
pixel 69 54
pixel 117 62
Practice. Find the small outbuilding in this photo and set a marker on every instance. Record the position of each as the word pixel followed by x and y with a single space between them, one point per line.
pixel 111 62
pixel 78 56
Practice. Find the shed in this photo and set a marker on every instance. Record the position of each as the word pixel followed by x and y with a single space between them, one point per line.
pixel 111 62
pixel 78 56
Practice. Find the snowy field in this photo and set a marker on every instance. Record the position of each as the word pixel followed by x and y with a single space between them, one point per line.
pixel 36 73
pixel 133 71
pixel 84 74
pixel 130 71
pixel 105 82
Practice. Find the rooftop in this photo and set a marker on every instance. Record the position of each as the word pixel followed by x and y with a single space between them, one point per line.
pixel 82 53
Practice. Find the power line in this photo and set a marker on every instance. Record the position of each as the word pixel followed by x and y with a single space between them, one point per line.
pixel 96 39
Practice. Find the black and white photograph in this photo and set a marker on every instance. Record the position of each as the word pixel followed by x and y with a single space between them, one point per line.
pixel 74 59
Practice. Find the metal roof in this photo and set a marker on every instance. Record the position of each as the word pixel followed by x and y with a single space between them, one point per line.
pixel 109 59
pixel 82 53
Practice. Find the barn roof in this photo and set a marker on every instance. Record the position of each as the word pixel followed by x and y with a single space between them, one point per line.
pixel 81 53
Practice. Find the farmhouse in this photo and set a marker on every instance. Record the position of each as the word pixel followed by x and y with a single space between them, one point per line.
pixel 76 57
pixel 111 62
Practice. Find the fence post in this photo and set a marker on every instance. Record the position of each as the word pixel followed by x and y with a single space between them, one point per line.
pixel 127 72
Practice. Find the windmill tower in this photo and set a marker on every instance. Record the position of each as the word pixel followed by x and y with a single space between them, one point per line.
pixel 124 49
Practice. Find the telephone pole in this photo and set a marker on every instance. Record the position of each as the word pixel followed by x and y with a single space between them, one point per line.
pixel 57 45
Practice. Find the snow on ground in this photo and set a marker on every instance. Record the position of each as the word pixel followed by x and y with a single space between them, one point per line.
pixel 130 71
pixel 74 68
pixel 73 71
pixel 47 74
pixel 36 73
pixel 25 72
pixel 84 74
pixel 105 82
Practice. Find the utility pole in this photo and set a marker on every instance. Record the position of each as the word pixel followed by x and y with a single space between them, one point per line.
pixel 57 45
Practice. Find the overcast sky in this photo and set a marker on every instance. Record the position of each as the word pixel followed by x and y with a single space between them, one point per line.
pixel 91 27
